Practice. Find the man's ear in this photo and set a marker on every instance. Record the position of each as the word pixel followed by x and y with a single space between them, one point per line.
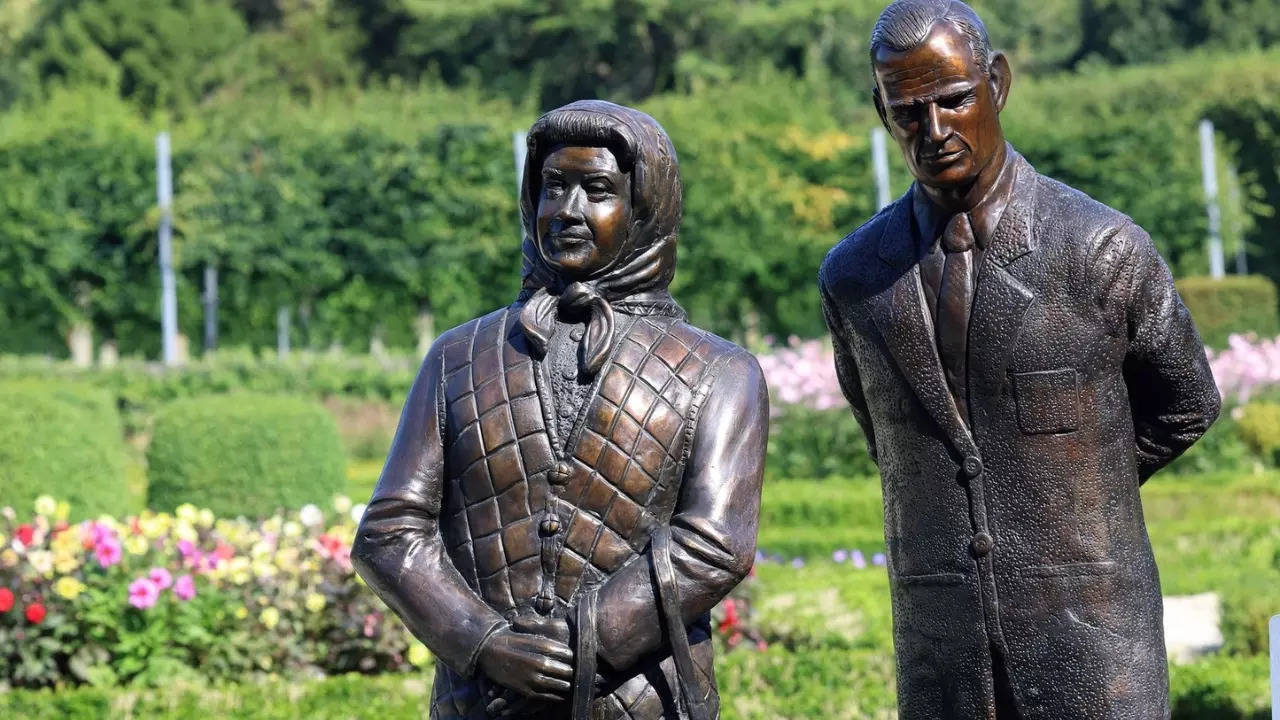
pixel 1001 78
pixel 875 97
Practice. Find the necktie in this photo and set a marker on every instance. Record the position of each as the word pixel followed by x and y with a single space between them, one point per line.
pixel 955 295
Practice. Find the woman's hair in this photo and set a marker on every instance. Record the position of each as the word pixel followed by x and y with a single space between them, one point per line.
pixel 643 150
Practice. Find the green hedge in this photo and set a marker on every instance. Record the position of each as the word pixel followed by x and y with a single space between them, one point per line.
pixel 807 443
pixel 61 440
pixel 1233 304
pixel 244 454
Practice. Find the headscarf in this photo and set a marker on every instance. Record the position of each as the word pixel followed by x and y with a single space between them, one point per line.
pixel 636 281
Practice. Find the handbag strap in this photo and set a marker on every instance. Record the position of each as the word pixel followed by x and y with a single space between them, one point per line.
pixel 692 687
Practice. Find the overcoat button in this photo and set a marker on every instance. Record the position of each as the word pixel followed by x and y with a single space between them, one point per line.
pixel 559 474
pixel 972 467
pixel 982 544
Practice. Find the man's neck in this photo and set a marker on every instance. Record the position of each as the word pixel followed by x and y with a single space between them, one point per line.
pixel 964 198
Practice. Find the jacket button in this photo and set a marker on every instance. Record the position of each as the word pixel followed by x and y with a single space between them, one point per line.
pixel 982 544
pixel 569 373
pixel 559 474
pixel 972 467
pixel 550 526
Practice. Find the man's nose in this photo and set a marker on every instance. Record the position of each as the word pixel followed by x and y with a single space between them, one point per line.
pixel 938 132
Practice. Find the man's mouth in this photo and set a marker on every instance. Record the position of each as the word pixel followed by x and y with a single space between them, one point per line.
pixel 942 157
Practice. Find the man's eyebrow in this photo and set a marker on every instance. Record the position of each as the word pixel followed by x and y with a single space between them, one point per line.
pixel 551 171
pixel 935 96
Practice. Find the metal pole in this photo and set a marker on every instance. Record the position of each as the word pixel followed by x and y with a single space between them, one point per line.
pixel 520 147
pixel 168 289
pixel 880 161
pixel 282 331
pixel 1209 169
pixel 210 307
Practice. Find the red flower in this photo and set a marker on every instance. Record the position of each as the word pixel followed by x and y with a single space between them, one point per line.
pixel 730 620
pixel 25 534
pixel 35 613
pixel 6 599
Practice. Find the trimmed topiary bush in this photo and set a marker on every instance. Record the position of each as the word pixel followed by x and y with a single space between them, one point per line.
pixel 1260 429
pixel 1233 304
pixel 62 440
pixel 244 454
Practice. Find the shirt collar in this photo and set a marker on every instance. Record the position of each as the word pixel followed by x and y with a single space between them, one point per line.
pixel 984 217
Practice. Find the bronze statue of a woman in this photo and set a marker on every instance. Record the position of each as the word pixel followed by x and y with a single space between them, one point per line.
pixel 576 477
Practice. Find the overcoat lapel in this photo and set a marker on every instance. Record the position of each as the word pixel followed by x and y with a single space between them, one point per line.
pixel 1001 301
pixel 900 314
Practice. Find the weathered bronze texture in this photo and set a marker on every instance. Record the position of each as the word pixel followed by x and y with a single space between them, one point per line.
pixel 1021 363
pixel 579 473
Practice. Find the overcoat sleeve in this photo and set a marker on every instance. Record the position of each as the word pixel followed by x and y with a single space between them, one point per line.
pixel 1172 392
pixel 398 549
pixel 713 528
pixel 847 370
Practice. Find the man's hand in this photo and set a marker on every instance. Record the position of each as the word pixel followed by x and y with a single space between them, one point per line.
pixel 532 665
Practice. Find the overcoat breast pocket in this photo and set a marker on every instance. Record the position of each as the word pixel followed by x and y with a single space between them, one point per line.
pixel 1048 401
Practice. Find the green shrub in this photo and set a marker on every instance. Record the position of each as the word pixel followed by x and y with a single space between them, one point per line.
pixel 62 440
pixel 1220 687
pixel 1247 608
pixel 807 443
pixel 244 454
pixel 1219 449
pixel 1260 429
pixel 1232 304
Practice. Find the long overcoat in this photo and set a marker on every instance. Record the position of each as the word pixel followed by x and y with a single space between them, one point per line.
pixel 1020 527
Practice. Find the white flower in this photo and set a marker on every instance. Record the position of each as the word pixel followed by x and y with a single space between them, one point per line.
pixel 310 515
pixel 46 505
pixel 292 529
pixel 342 504
pixel 357 512
pixel 41 561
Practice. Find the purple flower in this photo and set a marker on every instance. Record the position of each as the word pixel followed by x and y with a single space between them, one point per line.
pixel 108 551
pixel 143 593
pixel 797 563
pixel 859 560
pixel 840 556
pixel 160 577
pixel 879 560
pixel 184 588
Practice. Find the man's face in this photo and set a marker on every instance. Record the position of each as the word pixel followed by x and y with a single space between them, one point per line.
pixel 584 210
pixel 941 107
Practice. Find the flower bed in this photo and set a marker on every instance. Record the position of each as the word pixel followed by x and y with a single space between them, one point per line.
pixel 108 601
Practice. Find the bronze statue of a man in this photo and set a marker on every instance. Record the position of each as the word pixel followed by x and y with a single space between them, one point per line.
pixel 1020 362
pixel 576 477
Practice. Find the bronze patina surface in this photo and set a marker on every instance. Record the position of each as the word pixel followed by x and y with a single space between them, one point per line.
pixel 576 478
pixel 1021 363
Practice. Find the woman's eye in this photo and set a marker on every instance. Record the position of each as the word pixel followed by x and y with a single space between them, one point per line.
pixel 553 188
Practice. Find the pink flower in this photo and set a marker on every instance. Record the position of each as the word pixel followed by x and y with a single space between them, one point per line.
pixel 161 578
pixel 186 548
pixel 184 588
pixel 108 551
pixel 143 593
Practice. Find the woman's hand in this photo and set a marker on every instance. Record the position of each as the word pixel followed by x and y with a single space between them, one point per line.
pixel 532 665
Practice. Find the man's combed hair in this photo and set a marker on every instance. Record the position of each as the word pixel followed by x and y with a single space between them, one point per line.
pixel 905 24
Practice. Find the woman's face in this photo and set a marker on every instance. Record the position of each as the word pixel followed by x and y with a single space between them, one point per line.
pixel 584 210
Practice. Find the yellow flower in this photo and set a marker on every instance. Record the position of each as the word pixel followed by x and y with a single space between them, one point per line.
pixel 242 612
pixel 186 512
pixel 65 563
pixel 46 506
pixel 184 530
pixel 315 602
pixel 273 524
pixel 62 511
pixel 419 655
pixel 136 545
pixel 8 558
pixel 205 518
pixel 66 542
pixel 69 587
pixel 270 617
pixel 3 540
pixel 292 529
pixel 238 570
pixel 264 569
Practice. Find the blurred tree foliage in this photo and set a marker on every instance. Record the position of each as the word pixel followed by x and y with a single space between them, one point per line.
pixel 352 160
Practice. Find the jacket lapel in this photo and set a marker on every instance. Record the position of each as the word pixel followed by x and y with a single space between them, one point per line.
pixel 1001 301
pixel 903 320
